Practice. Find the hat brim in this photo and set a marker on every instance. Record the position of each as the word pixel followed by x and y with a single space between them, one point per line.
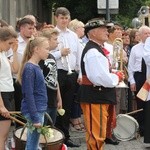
pixel 87 29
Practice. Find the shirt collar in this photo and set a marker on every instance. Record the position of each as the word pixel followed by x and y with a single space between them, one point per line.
pixel 20 39
pixel 59 30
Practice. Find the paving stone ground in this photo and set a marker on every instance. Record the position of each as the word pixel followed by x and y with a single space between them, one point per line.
pixel 79 138
pixel 134 144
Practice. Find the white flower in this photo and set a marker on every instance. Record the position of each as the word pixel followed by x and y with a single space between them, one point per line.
pixel 61 111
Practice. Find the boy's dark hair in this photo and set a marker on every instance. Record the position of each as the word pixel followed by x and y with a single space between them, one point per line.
pixel 62 11
pixel 23 21
pixel 113 28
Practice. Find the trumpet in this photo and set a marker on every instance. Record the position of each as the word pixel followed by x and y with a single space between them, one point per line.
pixel 65 59
pixel 118 59
pixel 68 65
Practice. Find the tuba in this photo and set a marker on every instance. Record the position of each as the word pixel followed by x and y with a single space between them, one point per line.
pixel 118 59
pixel 143 17
pixel 143 14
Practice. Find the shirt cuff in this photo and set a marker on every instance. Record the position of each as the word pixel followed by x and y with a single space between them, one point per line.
pixel 56 54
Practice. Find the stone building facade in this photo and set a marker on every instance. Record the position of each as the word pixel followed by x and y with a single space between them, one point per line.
pixel 10 10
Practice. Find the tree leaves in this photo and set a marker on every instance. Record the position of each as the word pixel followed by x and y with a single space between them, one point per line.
pixel 85 10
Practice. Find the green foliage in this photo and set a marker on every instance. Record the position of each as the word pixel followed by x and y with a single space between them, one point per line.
pixel 123 20
pixel 87 9
pixel 128 10
pixel 147 3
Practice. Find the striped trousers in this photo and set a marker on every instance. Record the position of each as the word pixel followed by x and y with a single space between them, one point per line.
pixel 95 118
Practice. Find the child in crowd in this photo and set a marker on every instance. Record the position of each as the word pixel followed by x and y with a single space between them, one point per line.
pixel 50 75
pixel 34 103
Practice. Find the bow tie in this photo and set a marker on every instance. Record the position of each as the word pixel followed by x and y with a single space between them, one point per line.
pixel 106 52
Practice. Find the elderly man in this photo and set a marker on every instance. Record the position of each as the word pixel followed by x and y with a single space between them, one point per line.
pixel 137 73
pixel 97 91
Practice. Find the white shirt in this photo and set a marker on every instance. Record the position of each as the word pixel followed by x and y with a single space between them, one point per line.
pixel 147 59
pixel 82 44
pixel 20 51
pixel 67 39
pixel 97 69
pixel 135 61
pixel 21 48
pixel 9 53
pixel 6 81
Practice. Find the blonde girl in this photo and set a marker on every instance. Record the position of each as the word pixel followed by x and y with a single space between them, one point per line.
pixel 34 102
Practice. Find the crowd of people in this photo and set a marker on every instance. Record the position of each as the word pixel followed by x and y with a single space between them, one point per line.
pixel 74 66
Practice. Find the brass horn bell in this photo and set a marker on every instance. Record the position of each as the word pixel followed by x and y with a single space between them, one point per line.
pixel 118 59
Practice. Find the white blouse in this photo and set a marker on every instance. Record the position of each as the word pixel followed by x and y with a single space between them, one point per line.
pixel 6 81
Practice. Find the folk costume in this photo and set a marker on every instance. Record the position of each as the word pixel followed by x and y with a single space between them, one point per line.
pixel 97 92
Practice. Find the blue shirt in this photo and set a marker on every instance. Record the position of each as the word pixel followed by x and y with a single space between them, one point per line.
pixel 34 92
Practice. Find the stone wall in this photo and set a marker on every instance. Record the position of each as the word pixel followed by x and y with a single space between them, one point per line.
pixel 10 10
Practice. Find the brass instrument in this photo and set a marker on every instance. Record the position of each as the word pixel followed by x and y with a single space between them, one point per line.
pixel 68 65
pixel 143 17
pixel 66 59
pixel 143 14
pixel 118 59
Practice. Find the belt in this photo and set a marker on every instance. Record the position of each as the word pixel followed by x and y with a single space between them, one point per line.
pixel 86 81
pixel 61 70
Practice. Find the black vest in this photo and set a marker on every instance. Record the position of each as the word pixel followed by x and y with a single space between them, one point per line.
pixel 91 94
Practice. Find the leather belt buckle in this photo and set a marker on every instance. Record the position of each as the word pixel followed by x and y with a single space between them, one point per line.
pixel 99 88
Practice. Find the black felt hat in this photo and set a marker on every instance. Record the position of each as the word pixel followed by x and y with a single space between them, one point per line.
pixel 96 23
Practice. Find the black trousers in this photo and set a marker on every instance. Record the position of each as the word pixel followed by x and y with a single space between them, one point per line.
pixel 18 99
pixel 67 85
pixel 140 78
pixel 147 122
pixel 17 95
pixel 130 99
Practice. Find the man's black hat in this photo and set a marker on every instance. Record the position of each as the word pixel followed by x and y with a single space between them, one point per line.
pixel 96 23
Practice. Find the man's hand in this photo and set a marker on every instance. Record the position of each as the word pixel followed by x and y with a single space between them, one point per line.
pixel 121 75
pixel 59 104
pixel 37 125
pixel 15 45
pixel 79 81
pixel 133 87
pixel 65 51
